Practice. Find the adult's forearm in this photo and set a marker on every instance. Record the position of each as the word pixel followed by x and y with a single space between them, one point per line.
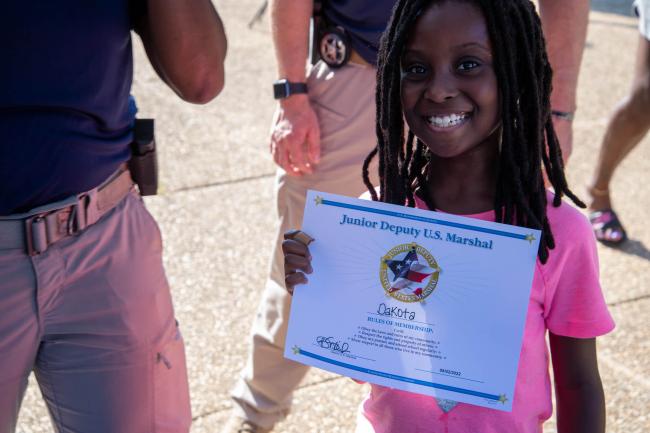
pixel 186 42
pixel 565 27
pixel 290 29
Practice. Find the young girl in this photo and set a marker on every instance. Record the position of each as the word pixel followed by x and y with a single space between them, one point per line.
pixel 472 81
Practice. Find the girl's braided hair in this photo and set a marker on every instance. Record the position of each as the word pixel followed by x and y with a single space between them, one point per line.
pixel 528 138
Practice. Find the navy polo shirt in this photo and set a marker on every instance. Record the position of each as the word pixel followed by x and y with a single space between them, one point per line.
pixel 65 78
pixel 364 21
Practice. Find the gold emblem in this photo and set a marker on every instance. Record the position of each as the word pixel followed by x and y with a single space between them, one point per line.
pixel 409 273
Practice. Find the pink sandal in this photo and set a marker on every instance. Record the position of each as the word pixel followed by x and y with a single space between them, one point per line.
pixel 607 227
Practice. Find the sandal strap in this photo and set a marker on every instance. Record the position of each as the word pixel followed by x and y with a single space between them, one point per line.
pixel 598 192
pixel 602 217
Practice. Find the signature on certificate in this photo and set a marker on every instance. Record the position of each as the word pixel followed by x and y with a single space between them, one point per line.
pixel 331 344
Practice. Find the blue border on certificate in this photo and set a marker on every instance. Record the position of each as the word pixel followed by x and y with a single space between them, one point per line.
pixel 400 378
pixel 425 219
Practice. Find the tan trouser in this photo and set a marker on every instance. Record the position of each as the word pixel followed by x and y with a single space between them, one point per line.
pixel 344 101
pixel 92 316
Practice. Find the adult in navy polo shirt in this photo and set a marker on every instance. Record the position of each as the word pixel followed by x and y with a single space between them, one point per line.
pixel 84 302
pixel 65 122
pixel 319 140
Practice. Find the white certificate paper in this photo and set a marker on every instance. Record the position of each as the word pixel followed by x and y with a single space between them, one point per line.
pixel 416 300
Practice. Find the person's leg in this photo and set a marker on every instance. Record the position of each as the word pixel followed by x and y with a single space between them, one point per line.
pixel 19 332
pixel 112 359
pixel 628 125
pixel 263 393
pixel 344 103
pixel 565 28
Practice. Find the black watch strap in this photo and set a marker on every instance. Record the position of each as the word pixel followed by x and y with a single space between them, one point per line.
pixel 284 88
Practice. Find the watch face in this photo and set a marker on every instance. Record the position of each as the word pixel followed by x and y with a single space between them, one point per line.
pixel 280 89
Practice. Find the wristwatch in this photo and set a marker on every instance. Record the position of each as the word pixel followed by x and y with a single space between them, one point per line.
pixel 284 88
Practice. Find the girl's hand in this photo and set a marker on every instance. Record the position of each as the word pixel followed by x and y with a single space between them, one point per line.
pixel 297 260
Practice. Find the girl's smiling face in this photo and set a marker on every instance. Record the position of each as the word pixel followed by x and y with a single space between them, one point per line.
pixel 449 92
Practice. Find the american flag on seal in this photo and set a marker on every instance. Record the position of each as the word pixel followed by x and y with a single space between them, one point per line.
pixel 409 273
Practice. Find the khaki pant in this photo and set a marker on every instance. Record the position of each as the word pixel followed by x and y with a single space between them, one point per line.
pixel 344 101
pixel 92 317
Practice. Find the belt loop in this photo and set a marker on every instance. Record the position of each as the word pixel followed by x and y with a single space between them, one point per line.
pixel 80 215
pixel 90 206
pixel 36 235
pixel 77 220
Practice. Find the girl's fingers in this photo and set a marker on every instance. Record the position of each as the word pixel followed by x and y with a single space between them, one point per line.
pixel 294 263
pixel 300 236
pixel 297 260
pixel 291 246
pixel 292 280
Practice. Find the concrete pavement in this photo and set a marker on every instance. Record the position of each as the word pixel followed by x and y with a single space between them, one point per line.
pixel 216 213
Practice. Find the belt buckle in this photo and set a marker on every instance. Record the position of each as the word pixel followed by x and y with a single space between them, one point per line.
pixel 42 230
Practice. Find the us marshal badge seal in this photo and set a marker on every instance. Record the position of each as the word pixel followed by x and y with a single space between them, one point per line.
pixel 409 273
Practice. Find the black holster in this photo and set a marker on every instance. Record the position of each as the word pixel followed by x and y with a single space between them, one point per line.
pixel 143 164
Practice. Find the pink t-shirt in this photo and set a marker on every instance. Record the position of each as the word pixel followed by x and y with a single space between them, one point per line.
pixel 566 299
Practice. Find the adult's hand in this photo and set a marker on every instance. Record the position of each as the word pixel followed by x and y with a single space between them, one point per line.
pixel 295 136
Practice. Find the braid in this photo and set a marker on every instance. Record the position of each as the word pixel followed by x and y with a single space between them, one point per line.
pixel 404 170
pixel 419 174
pixel 393 161
pixel 366 175
pixel 528 140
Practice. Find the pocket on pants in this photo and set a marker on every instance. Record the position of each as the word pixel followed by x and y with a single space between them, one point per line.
pixel 171 392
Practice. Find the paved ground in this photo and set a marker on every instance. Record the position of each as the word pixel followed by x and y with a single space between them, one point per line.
pixel 216 212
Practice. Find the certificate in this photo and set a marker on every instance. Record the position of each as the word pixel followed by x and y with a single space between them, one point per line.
pixel 421 301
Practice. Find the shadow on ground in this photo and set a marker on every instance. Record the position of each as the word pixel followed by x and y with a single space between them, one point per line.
pixel 635 248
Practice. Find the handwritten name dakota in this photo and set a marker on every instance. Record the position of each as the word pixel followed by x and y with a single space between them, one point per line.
pixel 397 229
